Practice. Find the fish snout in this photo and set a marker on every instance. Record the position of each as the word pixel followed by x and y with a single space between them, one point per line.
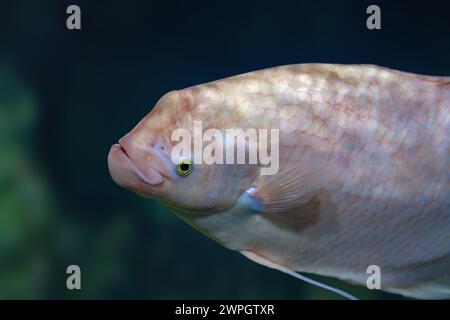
pixel 128 173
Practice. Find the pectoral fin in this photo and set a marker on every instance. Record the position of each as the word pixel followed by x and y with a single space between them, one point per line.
pixel 286 190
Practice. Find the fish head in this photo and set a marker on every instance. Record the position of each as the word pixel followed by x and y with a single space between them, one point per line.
pixel 142 162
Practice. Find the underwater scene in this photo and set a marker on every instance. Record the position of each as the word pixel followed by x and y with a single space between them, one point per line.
pixel 285 150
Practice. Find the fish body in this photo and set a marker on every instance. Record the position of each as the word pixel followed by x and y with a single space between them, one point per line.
pixel 363 178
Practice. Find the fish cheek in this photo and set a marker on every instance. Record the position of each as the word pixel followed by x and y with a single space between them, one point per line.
pixel 236 179
pixel 213 187
pixel 199 190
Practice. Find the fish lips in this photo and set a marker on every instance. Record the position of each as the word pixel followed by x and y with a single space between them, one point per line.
pixel 126 174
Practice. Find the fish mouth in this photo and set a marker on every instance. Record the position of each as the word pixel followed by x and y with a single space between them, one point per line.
pixel 127 174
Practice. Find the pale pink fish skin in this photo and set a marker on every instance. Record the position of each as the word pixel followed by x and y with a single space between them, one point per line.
pixel 386 136
pixel 381 140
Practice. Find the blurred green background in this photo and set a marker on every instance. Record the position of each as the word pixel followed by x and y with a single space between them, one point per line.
pixel 67 96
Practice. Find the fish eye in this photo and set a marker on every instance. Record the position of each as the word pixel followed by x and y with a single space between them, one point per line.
pixel 184 168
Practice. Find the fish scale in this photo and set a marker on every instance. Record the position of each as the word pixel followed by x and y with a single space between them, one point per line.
pixel 393 117
pixel 374 140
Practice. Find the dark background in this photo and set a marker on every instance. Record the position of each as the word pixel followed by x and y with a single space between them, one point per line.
pixel 66 96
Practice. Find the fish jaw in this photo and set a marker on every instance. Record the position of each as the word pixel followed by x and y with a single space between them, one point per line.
pixel 126 174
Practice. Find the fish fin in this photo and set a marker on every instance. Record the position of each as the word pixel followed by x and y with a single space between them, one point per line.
pixel 286 190
pixel 269 264
pixel 429 279
pixel 436 288
pixel 439 289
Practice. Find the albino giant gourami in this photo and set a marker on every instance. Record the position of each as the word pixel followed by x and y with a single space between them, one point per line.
pixel 364 171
